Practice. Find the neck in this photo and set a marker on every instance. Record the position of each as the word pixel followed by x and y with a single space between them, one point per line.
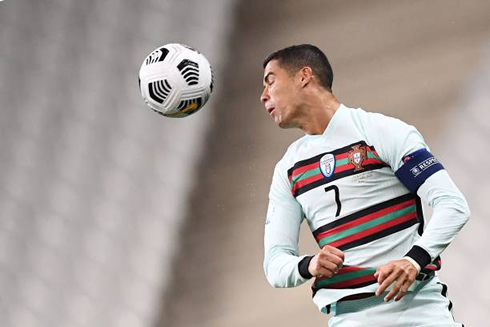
pixel 320 111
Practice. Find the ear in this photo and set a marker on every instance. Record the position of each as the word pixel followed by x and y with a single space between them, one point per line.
pixel 305 75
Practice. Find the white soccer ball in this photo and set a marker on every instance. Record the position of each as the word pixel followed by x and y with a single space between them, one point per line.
pixel 175 80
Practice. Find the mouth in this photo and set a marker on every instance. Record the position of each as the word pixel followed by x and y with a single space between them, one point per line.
pixel 270 109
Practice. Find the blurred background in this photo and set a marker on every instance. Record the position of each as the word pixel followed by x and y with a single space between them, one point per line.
pixel 111 215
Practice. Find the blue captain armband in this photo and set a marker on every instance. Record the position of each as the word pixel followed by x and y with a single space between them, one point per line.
pixel 417 167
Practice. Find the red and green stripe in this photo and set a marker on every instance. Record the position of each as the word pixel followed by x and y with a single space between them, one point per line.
pixel 371 223
pixel 306 174
pixel 347 277
pixel 356 277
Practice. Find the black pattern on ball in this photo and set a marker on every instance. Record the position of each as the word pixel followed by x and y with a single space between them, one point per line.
pixel 156 56
pixel 190 71
pixel 159 90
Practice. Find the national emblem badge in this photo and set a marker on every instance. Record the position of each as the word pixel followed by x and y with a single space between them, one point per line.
pixel 357 156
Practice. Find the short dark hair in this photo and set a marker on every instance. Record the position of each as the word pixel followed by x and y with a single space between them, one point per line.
pixel 295 57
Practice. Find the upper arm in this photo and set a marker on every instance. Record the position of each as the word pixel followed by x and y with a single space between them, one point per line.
pixel 284 214
pixel 402 147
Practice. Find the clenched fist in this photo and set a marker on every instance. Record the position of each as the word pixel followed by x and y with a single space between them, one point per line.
pixel 326 262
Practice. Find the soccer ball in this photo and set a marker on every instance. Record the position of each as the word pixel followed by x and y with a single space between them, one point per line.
pixel 175 80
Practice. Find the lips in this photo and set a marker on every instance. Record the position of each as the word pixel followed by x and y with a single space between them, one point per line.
pixel 270 109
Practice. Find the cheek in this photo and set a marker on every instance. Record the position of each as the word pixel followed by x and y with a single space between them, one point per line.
pixel 278 93
pixel 285 97
pixel 272 91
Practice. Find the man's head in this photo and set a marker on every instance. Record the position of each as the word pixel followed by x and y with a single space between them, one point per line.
pixel 295 57
pixel 293 77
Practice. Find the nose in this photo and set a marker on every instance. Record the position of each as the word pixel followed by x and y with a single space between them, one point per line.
pixel 265 95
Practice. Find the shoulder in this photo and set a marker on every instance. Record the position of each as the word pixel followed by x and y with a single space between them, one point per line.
pixel 292 151
pixel 368 117
pixel 375 125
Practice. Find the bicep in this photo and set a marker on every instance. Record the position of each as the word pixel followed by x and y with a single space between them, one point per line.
pixel 394 139
pixel 282 225
pixel 284 216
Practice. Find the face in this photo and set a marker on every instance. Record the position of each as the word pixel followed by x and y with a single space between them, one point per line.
pixel 280 95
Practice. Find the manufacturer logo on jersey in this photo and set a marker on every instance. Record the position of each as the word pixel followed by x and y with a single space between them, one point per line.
pixel 327 165
pixel 357 156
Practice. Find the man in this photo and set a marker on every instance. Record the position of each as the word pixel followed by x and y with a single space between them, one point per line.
pixel 357 178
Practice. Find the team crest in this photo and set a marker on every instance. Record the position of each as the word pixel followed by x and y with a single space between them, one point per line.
pixel 327 165
pixel 357 156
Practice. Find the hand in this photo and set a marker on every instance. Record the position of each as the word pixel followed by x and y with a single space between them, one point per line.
pixel 401 272
pixel 326 262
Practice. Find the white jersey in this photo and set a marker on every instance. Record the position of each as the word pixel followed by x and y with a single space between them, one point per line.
pixel 343 183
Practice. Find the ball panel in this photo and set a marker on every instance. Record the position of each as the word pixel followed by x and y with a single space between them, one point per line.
pixel 187 108
pixel 159 90
pixel 156 56
pixel 190 71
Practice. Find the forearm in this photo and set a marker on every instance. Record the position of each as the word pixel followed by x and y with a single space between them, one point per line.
pixel 450 213
pixel 281 267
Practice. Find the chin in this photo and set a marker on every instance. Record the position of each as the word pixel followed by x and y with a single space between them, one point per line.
pixel 284 125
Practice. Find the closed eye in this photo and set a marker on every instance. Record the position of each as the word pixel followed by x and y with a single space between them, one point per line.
pixel 269 79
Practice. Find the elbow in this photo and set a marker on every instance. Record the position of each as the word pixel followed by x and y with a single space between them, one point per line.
pixel 461 205
pixel 465 211
pixel 458 204
pixel 273 279
pixel 275 283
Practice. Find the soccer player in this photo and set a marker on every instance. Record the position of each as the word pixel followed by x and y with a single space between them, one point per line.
pixel 358 179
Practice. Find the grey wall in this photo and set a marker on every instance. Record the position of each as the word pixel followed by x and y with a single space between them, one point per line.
pixel 93 184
